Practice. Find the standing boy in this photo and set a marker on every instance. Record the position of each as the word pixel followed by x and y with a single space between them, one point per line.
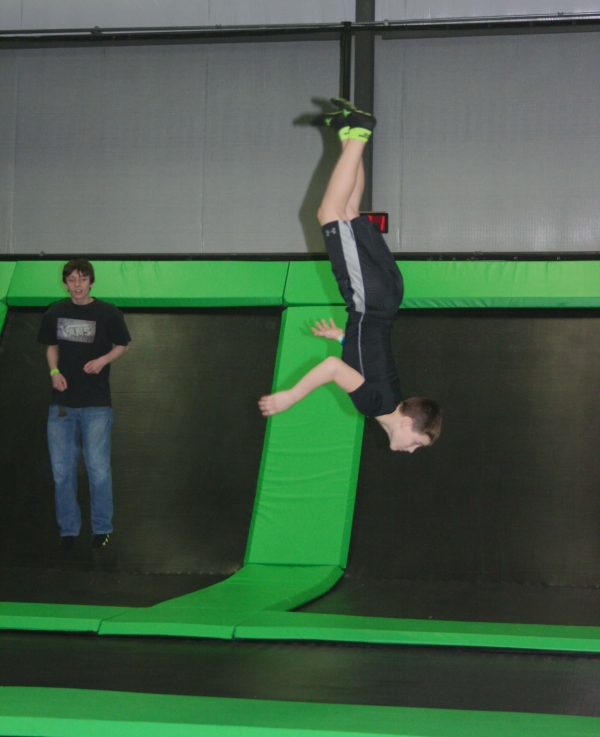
pixel 372 287
pixel 84 336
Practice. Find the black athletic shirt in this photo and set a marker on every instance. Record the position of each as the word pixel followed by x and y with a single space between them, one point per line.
pixel 380 394
pixel 82 333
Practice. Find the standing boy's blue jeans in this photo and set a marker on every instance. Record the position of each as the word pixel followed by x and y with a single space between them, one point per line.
pixel 88 428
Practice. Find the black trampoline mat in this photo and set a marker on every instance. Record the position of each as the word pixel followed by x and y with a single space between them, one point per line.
pixel 499 521
pixel 444 678
pixel 187 446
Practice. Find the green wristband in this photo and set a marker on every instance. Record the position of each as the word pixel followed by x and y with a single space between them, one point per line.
pixel 54 371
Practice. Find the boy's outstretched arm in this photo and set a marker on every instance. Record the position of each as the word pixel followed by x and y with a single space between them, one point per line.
pixel 331 369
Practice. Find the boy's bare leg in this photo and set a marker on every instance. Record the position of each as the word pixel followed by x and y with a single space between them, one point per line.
pixel 353 206
pixel 345 183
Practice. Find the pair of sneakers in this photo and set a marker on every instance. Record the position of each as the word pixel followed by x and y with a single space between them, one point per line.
pixel 67 542
pixel 348 116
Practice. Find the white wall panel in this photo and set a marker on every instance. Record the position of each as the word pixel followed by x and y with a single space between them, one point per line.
pixel 172 149
pixel 8 122
pixel 489 143
pixel 52 14
pixel 420 9
pixel 242 12
pixel 10 14
pixel 262 175
pixel 55 14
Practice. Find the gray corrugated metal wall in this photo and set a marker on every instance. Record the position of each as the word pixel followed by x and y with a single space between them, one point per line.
pixel 489 143
pixel 47 14
pixel 38 14
pixel 162 148
pixel 484 143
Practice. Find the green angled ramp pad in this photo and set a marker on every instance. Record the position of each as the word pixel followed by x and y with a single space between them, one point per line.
pixel 216 610
pixel 7 269
pixel 158 283
pixel 307 481
pixel 311 283
pixel 6 273
pixel 76 712
pixel 438 284
pixel 59 617
pixel 387 631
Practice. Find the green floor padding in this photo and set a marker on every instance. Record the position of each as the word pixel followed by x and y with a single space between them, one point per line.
pixel 3 313
pixel 60 617
pixel 75 712
pixel 216 610
pixel 307 482
pixel 157 283
pixel 380 630
pixel 434 284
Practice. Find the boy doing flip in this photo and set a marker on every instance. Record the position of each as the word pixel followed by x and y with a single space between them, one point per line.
pixel 372 287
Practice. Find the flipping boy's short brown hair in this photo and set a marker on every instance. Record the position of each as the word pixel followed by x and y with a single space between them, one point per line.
pixel 425 414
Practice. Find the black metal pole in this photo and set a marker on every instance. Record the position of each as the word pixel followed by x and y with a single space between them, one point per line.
pixel 346 60
pixel 364 85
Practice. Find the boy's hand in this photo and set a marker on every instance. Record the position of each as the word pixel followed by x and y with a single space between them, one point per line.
pixel 95 366
pixel 323 330
pixel 59 382
pixel 273 403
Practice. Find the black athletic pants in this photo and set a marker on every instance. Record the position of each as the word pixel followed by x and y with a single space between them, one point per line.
pixel 372 287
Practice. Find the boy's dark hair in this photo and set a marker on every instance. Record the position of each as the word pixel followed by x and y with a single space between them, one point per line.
pixel 425 414
pixel 82 265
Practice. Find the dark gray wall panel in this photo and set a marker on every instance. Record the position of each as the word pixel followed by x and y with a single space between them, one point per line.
pixel 489 143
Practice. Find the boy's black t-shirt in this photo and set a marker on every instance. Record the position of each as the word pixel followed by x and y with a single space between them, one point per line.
pixel 368 350
pixel 82 333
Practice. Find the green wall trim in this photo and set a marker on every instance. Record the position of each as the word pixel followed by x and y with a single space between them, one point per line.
pixel 436 284
pixel 7 269
pixel 60 617
pixel 307 482
pixel 73 712
pixel 343 628
pixel 216 610
pixel 158 283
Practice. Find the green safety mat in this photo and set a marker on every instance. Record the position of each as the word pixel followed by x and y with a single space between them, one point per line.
pixel 380 630
pixel 157 283
pixel 307 482
pixel 61 617
pixel 74 712
pixel 216 610
pixel 302 519
pixel 434 284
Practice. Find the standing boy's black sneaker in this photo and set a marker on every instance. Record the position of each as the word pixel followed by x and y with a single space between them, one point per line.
pixel 67 543
pixel 355 118
pixel 99 541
